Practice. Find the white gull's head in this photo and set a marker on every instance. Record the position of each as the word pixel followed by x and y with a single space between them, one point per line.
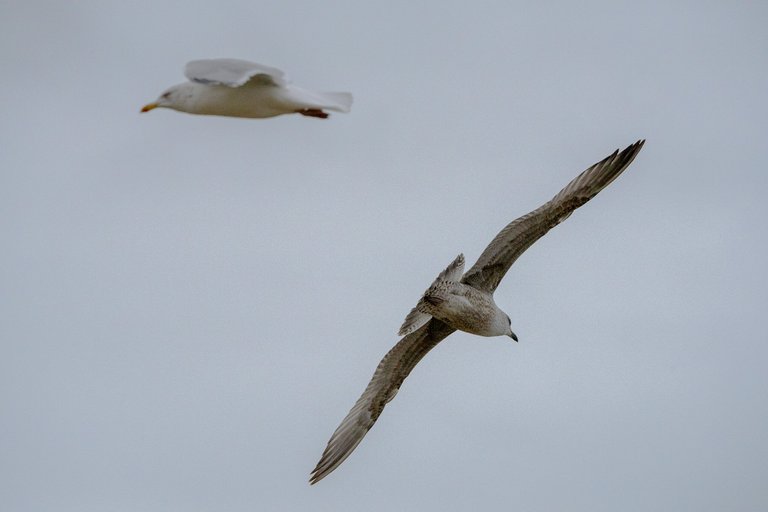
pixel 178 97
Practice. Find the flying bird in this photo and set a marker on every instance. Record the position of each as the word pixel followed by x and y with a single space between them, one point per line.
pixel 463 301
pixel 238 88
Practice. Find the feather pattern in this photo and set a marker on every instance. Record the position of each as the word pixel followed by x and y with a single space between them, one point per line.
pixel 418 316
pixel 382 388
pixel 232 73
pixel 520 234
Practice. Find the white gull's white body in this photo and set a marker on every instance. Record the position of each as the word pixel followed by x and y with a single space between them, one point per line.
pixel 238 88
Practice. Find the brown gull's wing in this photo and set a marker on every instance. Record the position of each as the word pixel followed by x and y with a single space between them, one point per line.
pixel 520 234
pixel 386 380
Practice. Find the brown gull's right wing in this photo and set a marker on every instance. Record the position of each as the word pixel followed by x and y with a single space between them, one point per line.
pixel 521 233
pixel 387 378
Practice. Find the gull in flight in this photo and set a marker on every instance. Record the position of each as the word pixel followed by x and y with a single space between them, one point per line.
pixel 238 88
pixel 463 301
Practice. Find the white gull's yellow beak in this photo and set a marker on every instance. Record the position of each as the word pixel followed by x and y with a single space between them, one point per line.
pixel 149 106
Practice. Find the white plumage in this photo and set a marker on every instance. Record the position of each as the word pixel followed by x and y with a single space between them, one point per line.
pixel 238 88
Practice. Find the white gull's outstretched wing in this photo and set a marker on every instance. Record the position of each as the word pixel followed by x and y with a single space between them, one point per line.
pixel 521 233
pixel 387 378
pixel 232 73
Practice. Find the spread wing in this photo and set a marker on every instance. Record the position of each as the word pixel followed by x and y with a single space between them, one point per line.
pixel 232 73
pixel 521 233
pixel 387 378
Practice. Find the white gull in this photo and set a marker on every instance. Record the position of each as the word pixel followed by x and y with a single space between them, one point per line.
pixel 456 302
pixel 238 88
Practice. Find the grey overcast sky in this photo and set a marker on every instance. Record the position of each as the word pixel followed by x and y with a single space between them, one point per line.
pixel 190 305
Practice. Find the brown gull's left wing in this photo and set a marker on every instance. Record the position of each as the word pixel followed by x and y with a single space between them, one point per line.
pixel 387 378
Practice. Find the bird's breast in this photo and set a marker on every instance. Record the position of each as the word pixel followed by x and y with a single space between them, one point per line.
pixel 468 310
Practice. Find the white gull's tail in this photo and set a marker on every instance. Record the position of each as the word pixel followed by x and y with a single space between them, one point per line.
pixel 338 101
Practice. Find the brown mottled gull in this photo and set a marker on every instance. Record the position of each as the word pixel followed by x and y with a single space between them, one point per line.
pixel 456 302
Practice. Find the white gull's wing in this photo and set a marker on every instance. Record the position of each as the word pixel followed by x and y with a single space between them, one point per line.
pixel 386 380
pixel 521 233
pixel 232 73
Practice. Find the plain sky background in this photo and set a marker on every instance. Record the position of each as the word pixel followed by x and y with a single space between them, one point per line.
pixel 190 305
